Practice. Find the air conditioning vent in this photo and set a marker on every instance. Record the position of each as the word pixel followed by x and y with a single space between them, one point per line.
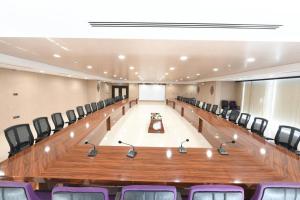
pixel 183 25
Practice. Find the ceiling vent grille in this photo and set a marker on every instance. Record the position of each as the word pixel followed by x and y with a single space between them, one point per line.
pixel 183 25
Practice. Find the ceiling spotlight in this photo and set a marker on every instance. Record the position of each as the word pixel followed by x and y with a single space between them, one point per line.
pixel 176 80
pixel 166 73
pixel 187 77
pixel 105 72
pixel 131 68
pixel 56 56
pixel 69 75
pixel 172 68
pixel 215 69
pixel 228 65
pixel 136 73
pixel 121 57
pixel 183 58
pixel 85 78
pixel 181 79
pixel 121 78
pixel 250 59
pixel 89 67
pixel 198 74
pixel 75 62
pixel 115 75
pixel 42 71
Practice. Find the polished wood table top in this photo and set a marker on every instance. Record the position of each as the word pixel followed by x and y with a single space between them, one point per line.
pixel 153 122
pixel 62 158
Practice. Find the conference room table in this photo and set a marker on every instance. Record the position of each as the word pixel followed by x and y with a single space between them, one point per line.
pixel 62 158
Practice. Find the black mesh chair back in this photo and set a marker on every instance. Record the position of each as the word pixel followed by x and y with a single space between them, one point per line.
pixel 259 126
pixel 112 100
pixel 100 105
pixel 106 102
pixel 224 104
pixel 208 106
pixel 80 112
pixel 58 121
pixel 94 106
pixel 71 116
pixel 42 128
pixel 18 137
pixel 197 103
pixel 232 105
pixel 244 119
pixel 288 137
pixel 214 109
pixel 203 105
pixel 224 113
pixel 234 115
pixel 88 109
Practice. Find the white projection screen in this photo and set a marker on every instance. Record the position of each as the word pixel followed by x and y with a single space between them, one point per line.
pixel 152 92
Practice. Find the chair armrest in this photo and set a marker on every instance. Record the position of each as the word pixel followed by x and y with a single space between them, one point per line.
pixel 267 138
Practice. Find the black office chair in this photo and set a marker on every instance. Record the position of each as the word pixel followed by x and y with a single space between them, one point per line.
pixel 71 116
pixel 88 109
pixel 208 106
pixel 101 105
pixel 94 106
pixel 197 103
pixel 224 113
pixel 244 119
pixel 259 126
pixel 18 137
pixel 203 105
pixel 288 137
pixel 224 104
pixel 233 106
pixel 214 109
pixel 58 121
pixel 80 112
pixel 42 128
pixel 234 115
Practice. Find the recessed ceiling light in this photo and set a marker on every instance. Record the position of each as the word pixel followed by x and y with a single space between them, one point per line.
pixel 131 68
pixel 75 62
pixel 172 68
pixel 181 79
pixel 89 67
pixel 121 78
pixel 251 59
pixel 56 56
pixel 42 71
pixel 125 79
pixel 215 69
pixel 115 75
pixel 136 73
pixel 183 58
pixel 176 80
pixel 121 57
pixel 198 74
pixel 229 65
pixel 187 77
pixel 166 73
pixel 69 75
pixel 105 72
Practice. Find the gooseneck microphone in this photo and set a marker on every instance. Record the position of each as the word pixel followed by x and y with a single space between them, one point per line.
pixel 222 150
pixel 181 148
pixel 131 153
pixel 93 151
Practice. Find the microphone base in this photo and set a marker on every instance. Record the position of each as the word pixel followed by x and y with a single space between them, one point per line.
pixel 131 153
pixel 92 153
pixel 222 151
pixel 182 150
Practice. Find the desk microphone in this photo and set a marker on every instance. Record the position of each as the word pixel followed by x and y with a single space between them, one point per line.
pixel 92 152
pixel 131 153
pixel 182 149
pixel 222 150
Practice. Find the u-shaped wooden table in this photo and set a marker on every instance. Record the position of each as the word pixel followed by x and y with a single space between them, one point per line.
pixel 62 158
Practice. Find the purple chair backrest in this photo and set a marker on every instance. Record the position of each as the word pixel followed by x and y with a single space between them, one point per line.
pixel 70 193
pixel 277 191
pixel 148 192
pixel 16 191
pixel 216 192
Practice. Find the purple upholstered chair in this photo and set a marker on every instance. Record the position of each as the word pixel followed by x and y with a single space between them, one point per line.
pixel 148 192
pixel 17 191
pixel 212 192
pixel 90 193
pixel 277 191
